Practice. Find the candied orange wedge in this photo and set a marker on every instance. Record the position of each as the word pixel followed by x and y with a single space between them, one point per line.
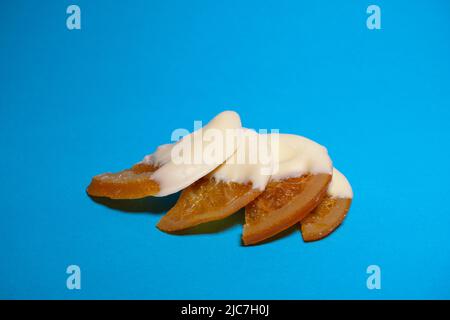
pixel 207 200
pixel 132 183
pixel 160 174
pixel 283 204
pixel 328 215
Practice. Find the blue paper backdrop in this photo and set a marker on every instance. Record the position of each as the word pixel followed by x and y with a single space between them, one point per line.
pixel 77 103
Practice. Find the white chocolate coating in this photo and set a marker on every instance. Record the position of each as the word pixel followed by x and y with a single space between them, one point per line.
pixel 291 156
pixel 173 175
pixel 161 156
pixel 244 166
pixel 298 156
pixel 339 186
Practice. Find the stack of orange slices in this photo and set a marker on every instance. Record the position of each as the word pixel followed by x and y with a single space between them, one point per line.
pixel 295 184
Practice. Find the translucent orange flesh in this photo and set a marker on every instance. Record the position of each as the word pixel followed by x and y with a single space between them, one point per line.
pixel 328 215
pixel 283 204
pixel 207 200
pixel 132 183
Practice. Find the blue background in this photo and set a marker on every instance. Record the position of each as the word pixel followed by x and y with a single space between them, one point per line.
pixel 77 103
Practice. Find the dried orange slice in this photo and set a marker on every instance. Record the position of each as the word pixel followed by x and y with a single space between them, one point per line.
pixel 283 204
pixel 330 213
pixel 161 173
pixel 299 181
pixel 226 190
pixel 132 183
pixel 207 200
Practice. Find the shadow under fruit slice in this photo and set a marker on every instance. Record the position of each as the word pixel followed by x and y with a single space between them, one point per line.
pixel 207 200
pixel 328 215
pixel 283 204
pixel 132 183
